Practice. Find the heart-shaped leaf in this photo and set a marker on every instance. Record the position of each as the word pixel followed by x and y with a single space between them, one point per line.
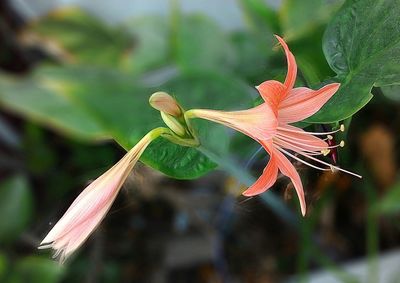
pixel 362 45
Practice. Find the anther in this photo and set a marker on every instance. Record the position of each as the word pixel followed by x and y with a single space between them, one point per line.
pixel 342 128
pixel 341 144
pixel 325 152
pixel 330 137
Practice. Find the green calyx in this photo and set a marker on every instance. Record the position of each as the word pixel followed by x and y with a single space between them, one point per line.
pixel 173 115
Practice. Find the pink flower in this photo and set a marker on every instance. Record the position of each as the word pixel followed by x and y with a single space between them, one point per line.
pixel 269 122
pixel 91 206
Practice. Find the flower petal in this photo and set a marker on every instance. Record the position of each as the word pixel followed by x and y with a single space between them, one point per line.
pixel 303 102
pixel 266 180
pixel 294 137
pixel 258 123
pixel 292 66
pixel 90 207
pixel 272 92
pixel 287 169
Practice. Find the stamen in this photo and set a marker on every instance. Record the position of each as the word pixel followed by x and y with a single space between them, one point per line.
pixel 327 164
pixel 325 152
pixel 301 160
pixel 341 129
pixel 302 142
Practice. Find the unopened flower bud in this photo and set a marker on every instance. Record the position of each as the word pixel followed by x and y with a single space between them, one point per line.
pixel 164 102
pixel 173 124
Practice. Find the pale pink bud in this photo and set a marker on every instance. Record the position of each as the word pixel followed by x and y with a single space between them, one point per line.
pixel 164 102
pixel 91 206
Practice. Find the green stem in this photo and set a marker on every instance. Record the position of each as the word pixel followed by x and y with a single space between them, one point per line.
pixel 372 235
pixel 155 133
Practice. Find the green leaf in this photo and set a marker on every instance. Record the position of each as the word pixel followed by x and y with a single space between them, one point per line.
pixel 310 57
pixel 95 103
pixel 390 202
pixel 362 45
pixel 252 52
pixel 3 266
pixel 15 207
pixel 41 103
pixel 201 44
pixel 37 270
pixel 81 38
pixel 152 45
pixel 302 18
pixel 260 15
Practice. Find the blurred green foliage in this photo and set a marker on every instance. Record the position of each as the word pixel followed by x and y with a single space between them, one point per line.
pixel 36 270
pixel 16 207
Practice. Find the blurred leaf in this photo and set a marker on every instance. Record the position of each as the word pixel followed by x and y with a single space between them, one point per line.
pixel 310 57
pixel 97 103
pixel 300 18
pixel 392 92
pixel 303 24
pixel 390 202
pixel 151 46
pixel 3 266
pixel 41 104
pixel 82 38
pixel 15 207
pixel 36 270
pixel 252 53
pixel 261 15
pixel 201 44
pixel 362 45
pixel 43 157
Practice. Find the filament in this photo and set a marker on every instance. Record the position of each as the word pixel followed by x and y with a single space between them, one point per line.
pixel 325 163
pixel 301 160
pixel 341 129
pixel 291 140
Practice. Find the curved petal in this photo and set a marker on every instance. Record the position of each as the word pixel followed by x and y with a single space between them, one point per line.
pixel 294 137
pixel 303 102
pixel 258 123
pixel 292 66
pixel 272 92
pixel 266 180
pixel 287 169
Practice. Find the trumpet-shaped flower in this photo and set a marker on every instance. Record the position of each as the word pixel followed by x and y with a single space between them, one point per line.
pixel 269 122
pixel 91 206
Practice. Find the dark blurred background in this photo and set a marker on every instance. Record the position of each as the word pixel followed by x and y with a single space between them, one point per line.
pixel 166 230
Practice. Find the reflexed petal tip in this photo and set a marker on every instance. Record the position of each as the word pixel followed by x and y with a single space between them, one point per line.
pixel 291 62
